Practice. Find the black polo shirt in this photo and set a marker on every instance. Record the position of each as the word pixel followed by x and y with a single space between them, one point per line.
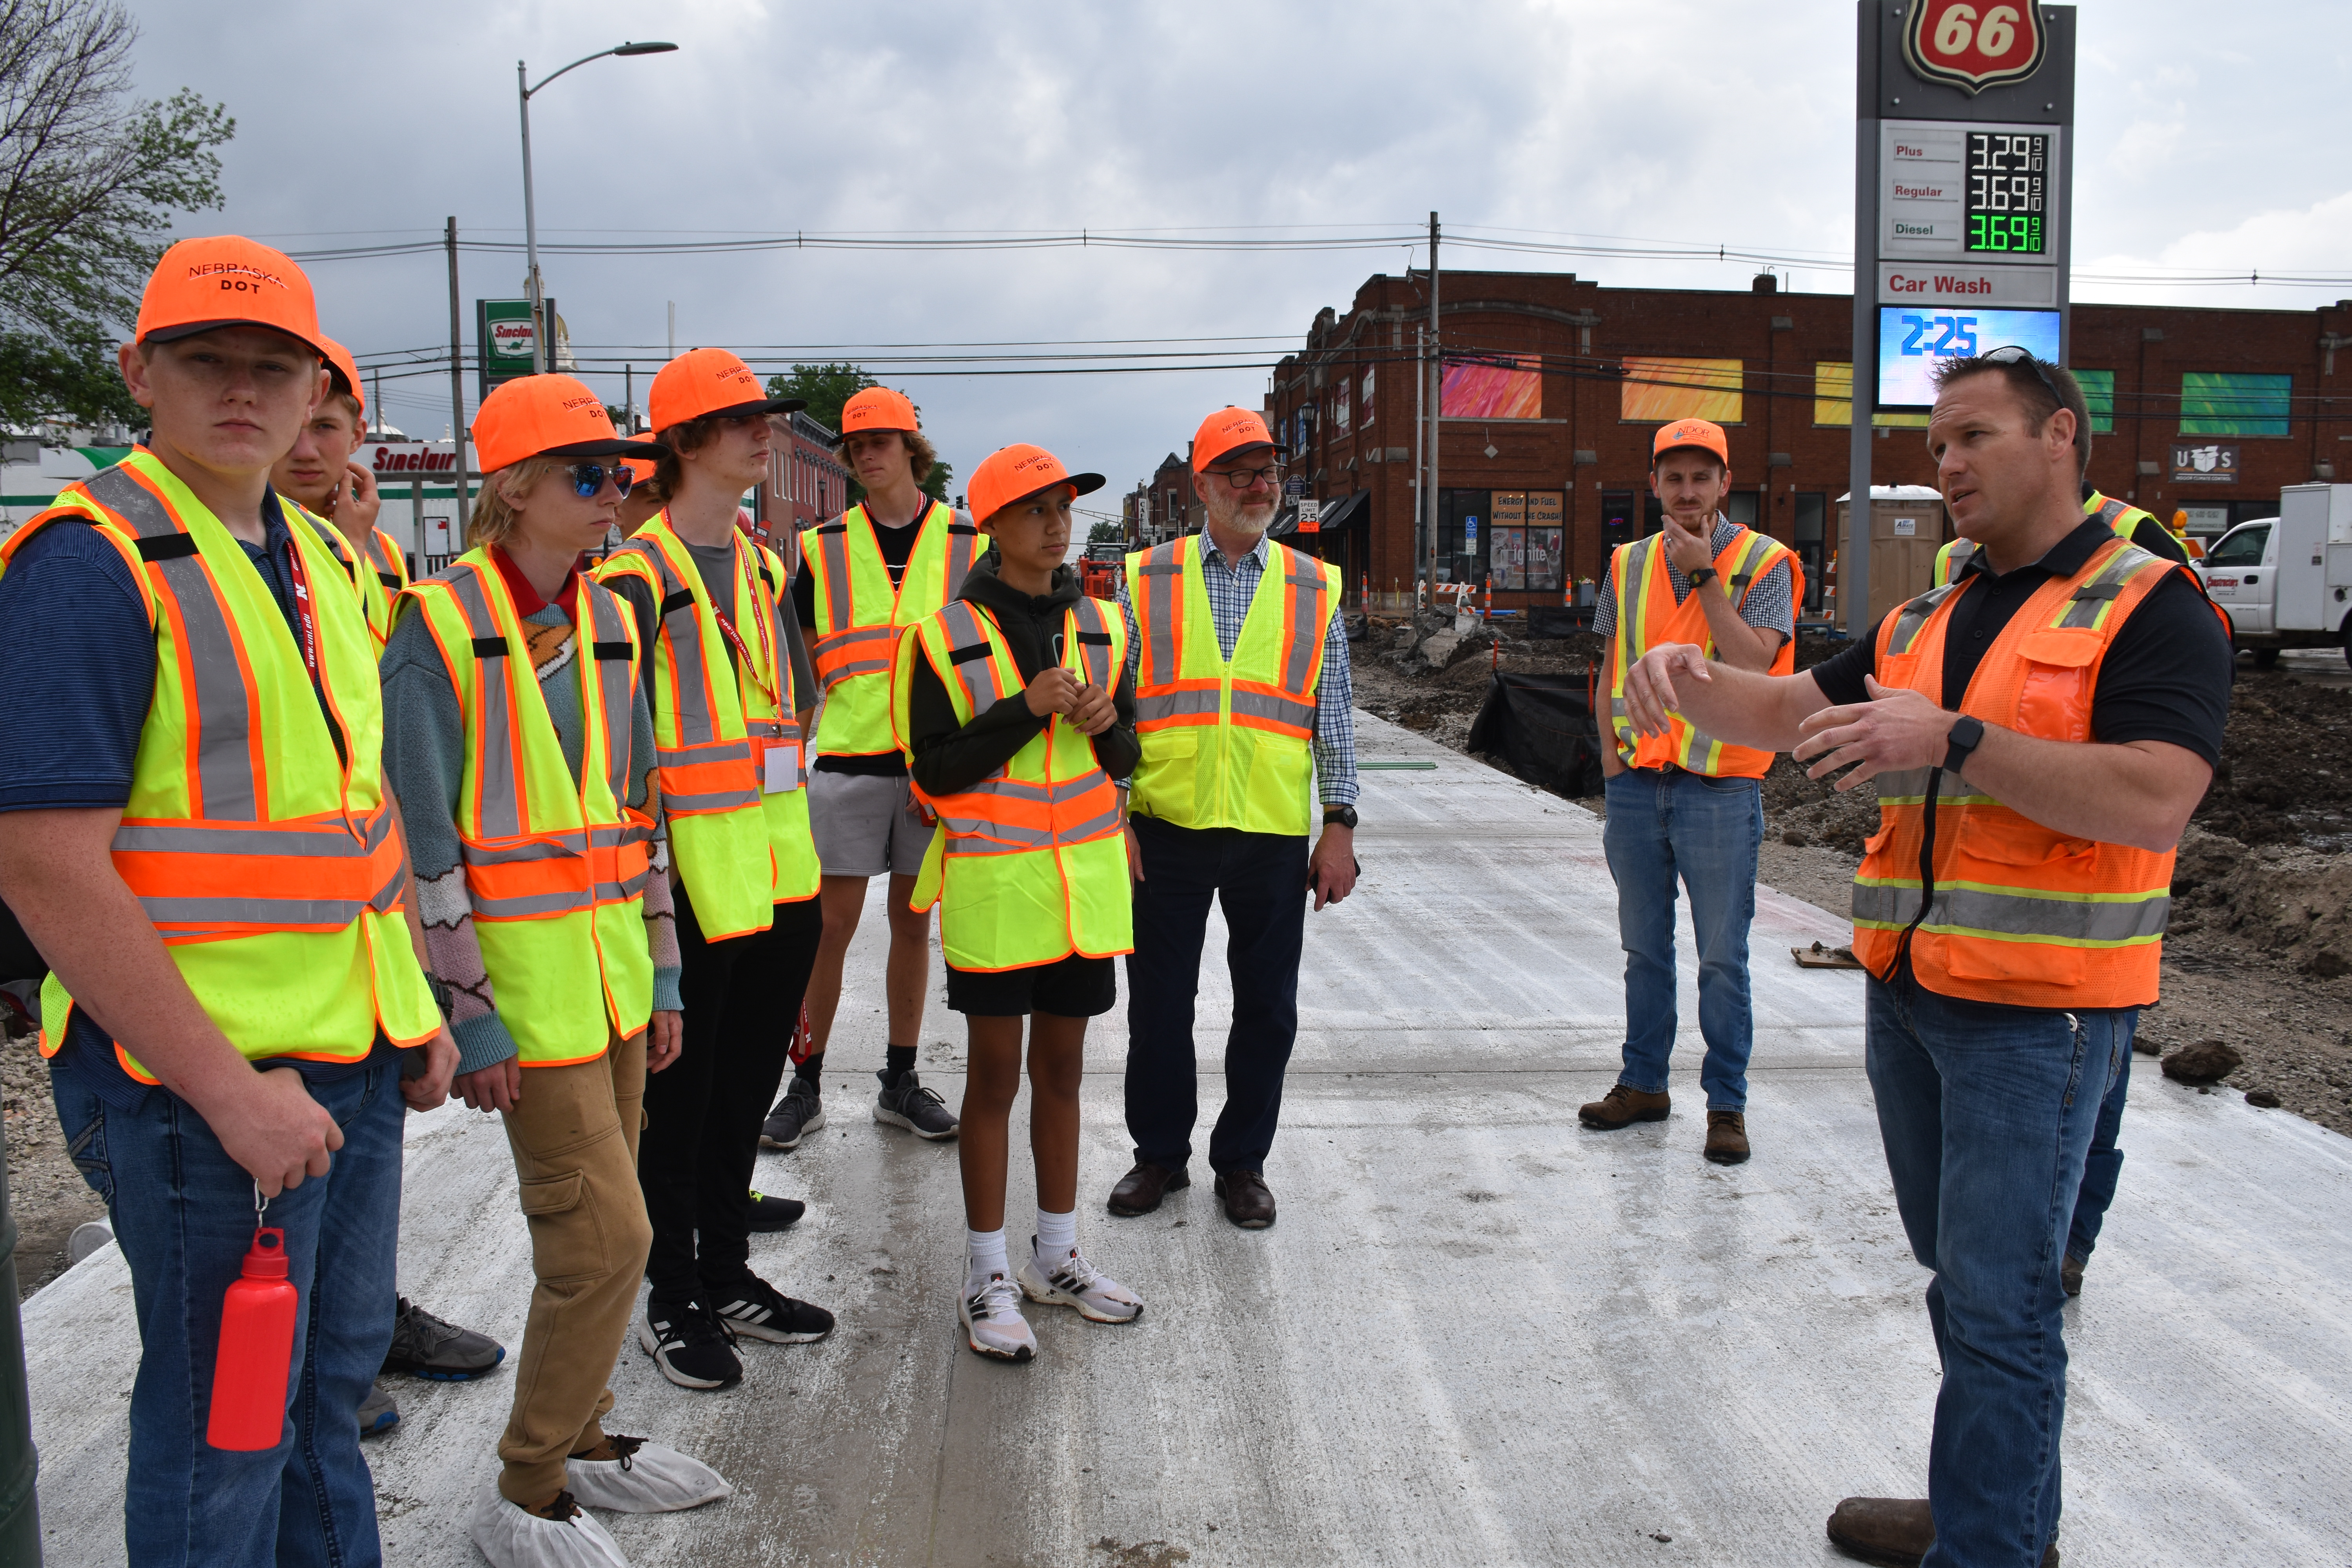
pixel 2166 677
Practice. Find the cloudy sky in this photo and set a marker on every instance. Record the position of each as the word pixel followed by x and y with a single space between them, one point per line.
pixel 2209 140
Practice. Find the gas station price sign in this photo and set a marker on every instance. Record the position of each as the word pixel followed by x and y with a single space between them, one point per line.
pixel 2007 193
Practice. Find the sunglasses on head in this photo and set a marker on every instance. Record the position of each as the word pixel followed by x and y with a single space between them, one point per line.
pixel 587 479
pixel 2012 354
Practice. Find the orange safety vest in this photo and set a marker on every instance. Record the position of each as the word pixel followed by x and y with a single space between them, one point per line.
pixel 2020 915
pixel 1647 616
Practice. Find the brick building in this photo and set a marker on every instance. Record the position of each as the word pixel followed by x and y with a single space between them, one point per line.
pixel 1554 385
pixel 807 481
pixel 1162 506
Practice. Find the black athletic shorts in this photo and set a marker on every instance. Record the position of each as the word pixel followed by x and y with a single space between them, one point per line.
pixel 1072 987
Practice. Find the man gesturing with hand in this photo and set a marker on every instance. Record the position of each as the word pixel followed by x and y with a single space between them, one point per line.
pixel 2038 732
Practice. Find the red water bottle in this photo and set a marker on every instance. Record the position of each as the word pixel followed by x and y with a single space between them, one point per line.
pixel 257 1348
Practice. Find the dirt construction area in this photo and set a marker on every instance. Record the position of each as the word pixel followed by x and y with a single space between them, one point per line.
pixel 2259 955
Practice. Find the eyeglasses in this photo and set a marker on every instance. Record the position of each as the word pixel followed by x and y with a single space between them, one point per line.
pixel 1243 478
pixel 2011 354
pixel 587 479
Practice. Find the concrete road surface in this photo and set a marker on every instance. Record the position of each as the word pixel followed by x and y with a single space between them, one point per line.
pixel 1478 1335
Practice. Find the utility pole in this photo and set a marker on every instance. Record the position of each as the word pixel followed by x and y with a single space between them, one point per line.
pixel 457 391
pixel 1437 409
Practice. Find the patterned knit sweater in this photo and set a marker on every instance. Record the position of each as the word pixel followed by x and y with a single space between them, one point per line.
pixel 424 763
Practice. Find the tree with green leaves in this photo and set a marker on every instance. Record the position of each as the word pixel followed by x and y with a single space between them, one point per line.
pixel 89 178
pixel 824 387
pixel 1107 532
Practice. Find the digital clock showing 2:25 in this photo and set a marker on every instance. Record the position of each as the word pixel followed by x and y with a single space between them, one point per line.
pixel 2009 181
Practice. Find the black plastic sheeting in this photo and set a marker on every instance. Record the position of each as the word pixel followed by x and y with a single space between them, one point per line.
pixel 1542 726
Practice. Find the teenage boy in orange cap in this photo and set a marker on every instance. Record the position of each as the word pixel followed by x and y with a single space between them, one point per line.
pixel 236 957
pixel 320 473
pixel 731 699
pixel 1683 805
pixel 321 476
pixel 1018 685
pixel 878 568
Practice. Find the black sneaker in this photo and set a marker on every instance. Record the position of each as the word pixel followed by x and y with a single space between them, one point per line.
pixel 755 1310
pixel 909 1104
pixel 690 1344
pixel 800 1112
pixel 378 1413
pixel 775 1214
pixel 429 1347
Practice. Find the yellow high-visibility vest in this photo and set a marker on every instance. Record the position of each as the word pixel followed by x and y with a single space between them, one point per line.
pixel 859 616
pixel 2122 521
pixel 730 751
pixel 1029 865
pixel 1228 742
pixel 258 838
pixel 1647 616
pixel 555 867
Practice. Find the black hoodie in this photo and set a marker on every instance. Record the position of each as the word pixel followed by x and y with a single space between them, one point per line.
pixel 949 757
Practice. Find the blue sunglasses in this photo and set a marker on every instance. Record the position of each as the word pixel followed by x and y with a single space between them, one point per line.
pixel 587 479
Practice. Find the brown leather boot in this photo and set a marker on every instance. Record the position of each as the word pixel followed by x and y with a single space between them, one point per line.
pixel 1140 1190
pixel 1895 1532
pixel 1727 1137
pixel 1622 1107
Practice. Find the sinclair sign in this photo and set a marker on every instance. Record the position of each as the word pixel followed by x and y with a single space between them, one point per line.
pixel 507 336
pixel 409 459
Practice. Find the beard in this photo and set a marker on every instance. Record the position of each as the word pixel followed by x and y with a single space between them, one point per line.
pixel 1251 518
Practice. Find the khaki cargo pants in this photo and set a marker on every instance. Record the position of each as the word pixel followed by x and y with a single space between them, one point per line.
pixel 574 1137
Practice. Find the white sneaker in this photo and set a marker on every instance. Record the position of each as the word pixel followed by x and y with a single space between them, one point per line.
pixel 645 1477
pixel 1074 1282
pixel 511 1537
pixel 993 1322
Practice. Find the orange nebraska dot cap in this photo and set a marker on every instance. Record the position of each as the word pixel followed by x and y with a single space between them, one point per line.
pixel 548 416
pixel 877 408
pixel 1702 433
pixel 345 370
pixel 1011 475
pixel 709 383
pixel 226 280
pixel 1226 432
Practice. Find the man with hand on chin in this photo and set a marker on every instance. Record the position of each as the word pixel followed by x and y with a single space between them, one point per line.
pixel 2039 732
pixel 1683 804
pixel 1243 713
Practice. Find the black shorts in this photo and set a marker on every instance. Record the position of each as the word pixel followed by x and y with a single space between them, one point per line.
pixel 1072 987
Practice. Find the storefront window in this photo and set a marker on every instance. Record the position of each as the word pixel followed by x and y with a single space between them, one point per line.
pixel 1529 538
pixel 1464 532
pixel 1619 509
pixel 1812 514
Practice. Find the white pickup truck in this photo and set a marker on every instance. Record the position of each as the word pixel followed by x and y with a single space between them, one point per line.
pixel 2287 580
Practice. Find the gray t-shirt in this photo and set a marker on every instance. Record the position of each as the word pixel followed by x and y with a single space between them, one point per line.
pixel 1766 605
pixel 717 565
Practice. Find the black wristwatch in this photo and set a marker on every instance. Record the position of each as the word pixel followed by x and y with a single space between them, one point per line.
pixel 1339 815
pixel 1704 575
pixel 1967 734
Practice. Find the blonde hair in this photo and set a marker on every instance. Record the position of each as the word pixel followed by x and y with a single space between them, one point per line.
pixel 495 516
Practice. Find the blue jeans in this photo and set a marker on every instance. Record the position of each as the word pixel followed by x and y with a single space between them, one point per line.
pixel 182 1211
pixel 1668 824
pixel 1986 1114
pixel 2103 1168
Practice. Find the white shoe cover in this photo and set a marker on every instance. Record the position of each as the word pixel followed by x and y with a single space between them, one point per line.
pixel 656 1478
pixel 510 1538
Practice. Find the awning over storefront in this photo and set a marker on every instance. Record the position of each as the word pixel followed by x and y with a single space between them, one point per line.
pixel 1337 514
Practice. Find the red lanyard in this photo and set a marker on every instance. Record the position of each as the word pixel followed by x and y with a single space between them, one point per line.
pixel 735 638
pixel 306 612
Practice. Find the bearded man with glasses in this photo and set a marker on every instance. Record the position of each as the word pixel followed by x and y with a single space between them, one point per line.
pixel 1243 716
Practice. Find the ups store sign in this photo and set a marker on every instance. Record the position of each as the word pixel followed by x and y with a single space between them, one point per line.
pixel 2204 463
pixel 424 458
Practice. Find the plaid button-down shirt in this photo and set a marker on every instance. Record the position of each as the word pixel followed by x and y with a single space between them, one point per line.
pixel 1231 584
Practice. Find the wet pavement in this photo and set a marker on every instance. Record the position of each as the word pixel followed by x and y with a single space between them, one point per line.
pixel 1477 1335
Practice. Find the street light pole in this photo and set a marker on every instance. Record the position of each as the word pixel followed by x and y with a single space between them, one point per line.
pixel 543 348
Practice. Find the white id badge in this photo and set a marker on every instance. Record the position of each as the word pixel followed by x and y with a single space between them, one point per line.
pixel 782 768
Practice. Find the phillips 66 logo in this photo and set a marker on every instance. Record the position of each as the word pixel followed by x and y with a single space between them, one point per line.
pixel 1971 44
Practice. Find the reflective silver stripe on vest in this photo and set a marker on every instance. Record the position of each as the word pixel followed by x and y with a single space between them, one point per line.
pixel 1093 829
pixel 1290 711
pixel 1094 658
pixel 499 811
pixel 1165 705
pixel 2110 512
pixel 1961 550
pixel 616 687
pixel 201 839
pixel 682 627
pixel 1305 592
pixel 1164 576
pixel 2090 600
pixel 255 912
pixel 1909 787
pixel 1912 616
pixel 885 637
pixel 2072 921
pixel 965 628
pixel 833 555
pixel 223 716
